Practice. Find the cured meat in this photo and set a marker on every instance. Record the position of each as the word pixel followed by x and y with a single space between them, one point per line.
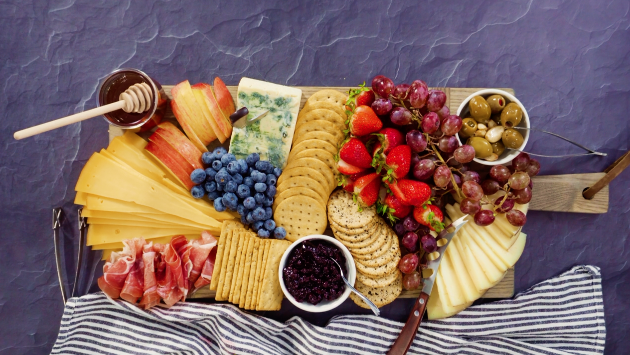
pixel 150 296
pixel 206 273
pixel 134 283
pixel 172 259
pixel 183 249
pixel 119 266
pixel 199 257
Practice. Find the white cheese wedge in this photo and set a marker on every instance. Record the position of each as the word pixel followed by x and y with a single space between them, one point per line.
pixel 493 273
pixel 435 309
pixel 466 284
pixel 452 288
pixel 478 277
pixel 270 137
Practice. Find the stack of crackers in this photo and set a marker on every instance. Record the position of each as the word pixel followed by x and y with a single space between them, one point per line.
pixel 374 248
pixel 310 174
pixel 246 269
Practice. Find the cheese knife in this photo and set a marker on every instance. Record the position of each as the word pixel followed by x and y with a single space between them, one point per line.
pixel 239 117
pixel 408 332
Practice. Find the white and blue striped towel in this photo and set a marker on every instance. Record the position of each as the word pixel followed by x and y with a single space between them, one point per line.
pixel 563 315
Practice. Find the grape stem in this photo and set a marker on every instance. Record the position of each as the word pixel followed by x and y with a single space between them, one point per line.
pixel 459 192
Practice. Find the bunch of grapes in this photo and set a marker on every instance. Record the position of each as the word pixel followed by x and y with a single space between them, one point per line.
pixel 247 186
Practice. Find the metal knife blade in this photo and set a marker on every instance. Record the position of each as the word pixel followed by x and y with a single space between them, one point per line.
pixel 245 121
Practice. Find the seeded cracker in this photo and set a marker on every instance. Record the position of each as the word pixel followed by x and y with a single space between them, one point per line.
pixel 351 231
pixel 377 271
pixel 342 210
pixel 367 246
pixel 358 240
pixel 386 255
pixel 377 282
pixel 379 296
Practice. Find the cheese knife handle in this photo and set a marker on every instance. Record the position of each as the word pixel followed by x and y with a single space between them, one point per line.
pixel 408 332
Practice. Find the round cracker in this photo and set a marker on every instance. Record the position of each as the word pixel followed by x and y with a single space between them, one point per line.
pixel 329 95
pixel 308 172
pixel 343 210
pixel 321 114
pixel 312 144
pixel 307 182
pixel 377 271
pixel 350 231
pixel 357 237
pixel 378 239
pixel 300 216
pixel 378 282
pixel 382 255
pixel 321 154
pixel 318 125
pixel 296 191
pixel 318 165
pixel 320 135
pixel 380 296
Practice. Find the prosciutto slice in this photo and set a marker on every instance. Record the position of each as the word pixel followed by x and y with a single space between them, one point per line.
pixel 200 249
pixel 119 266
pixel 206 273
pixel 174 262
pixel 150 296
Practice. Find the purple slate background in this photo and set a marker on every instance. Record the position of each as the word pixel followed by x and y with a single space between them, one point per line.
pixel 568 61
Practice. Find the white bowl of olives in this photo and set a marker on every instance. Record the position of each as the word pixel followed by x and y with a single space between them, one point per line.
pixel 491 119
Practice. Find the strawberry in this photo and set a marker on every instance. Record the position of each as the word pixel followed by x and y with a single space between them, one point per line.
pixel 362 173
pixel 366 189
pixel 354 152
pixel 430 216
pixel 411 192
pixel 393 209
pixel 390 138
pixel 365 98
pixel 347 169
pixel 364 121
pixel 347 183
pixel 398 162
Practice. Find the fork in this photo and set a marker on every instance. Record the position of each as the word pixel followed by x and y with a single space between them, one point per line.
pixel 375 309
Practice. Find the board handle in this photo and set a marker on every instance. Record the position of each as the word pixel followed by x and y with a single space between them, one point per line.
pixel 409 330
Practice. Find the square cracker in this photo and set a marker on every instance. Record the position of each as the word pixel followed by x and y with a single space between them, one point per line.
pixel 241 269
pixel 271 294
pixel 261 256
pixel 224 259
pixel 229 272
pixel 262 273
pixel 255 267
pixel 228 225
pixel 247 266
pixel 240 249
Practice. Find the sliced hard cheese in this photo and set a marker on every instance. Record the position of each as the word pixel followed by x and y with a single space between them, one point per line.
pixel 452 288
pixel 161 240
pixel 467 286
pixel 478 277
pixel 435 310
pixel 271 137
pixel 80 198
pixel 122 222
pixel 108 252
pixel 493 273
pixel 99 203
pixel 105 233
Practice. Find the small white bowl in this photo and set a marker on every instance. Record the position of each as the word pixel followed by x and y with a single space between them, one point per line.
pixel 507 155
pixel 323 306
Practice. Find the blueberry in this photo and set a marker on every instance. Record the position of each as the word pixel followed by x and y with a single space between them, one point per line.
pixel 197 191
pixel 270 225
pixel 208 158
pixel 231 186
pixel 277 172
pixel 227 158
pixel 279 232
pixel 242 166
pixel 260 187
pixel 259 197
pixel 271 191
pixel 217 165
pixel 250 218
pixel 198 176
pixel 210 186
pixel 249 203
pixel 259 177
pixel 218 204
pixel 244 220
pixel 222 176
pixel 218 153
pixel 259 214
pixel 220 187
pixel 210 174
pixel 242 191
pixel 263 233
pixel 268 213
pixel 271 179
pixel 258 225
pixel 264 166
pixel 214 195
pixel 232 167
pixel 249 182
pixel 241 209
pixel 238 178
pixel 230 200
pixel 252 159
pixel 268 201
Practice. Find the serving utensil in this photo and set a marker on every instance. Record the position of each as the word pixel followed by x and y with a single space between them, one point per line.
pixel 82 232
pixel 590 151
pixel 58 216
pixel 377 312
pixel 239 117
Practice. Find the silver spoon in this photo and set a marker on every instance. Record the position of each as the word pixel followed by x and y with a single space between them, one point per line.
pixel 375 309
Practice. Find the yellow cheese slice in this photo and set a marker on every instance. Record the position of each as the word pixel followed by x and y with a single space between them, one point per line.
pixel 99 203
pixel 161 240
pixel 108 252
pixel 435 310
pixel 145 217
pixel 105 233
pixel 134 140
pixel 80 198
pixel 493 273
pixel 478 277
pixel 115 215
pixel 463 278
pixel 123 222
pixel 454 294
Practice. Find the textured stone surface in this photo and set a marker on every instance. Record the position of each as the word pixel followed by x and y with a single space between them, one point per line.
pixel 567 60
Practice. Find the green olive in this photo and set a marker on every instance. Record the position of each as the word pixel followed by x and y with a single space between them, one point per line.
pixel 498 148
pixel 483 149
pixel 469 127
pixel 479 109
pixel 511 115
pixel 496 102
pixel 512 138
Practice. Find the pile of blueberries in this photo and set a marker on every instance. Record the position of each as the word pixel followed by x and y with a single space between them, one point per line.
pixel 246 186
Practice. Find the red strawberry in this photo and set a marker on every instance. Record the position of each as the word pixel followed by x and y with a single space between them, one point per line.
pixel 430 216
pixel 366 189
pixel 355 153
pixel 390 138
pixel 398 162
pixel 393 208
pixel 411 192
pixel 347 169
pixel 364 121
pixel 365 98
pixel 362 173
pixel 347 183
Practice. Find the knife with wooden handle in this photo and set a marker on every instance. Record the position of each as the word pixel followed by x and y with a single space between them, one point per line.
pixel 408 332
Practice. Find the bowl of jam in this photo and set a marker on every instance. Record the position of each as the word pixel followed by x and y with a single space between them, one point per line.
pixel 310 279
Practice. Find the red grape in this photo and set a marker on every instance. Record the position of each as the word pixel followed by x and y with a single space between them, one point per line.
pixel 500 173
pixel 416 140
pixel 451 125
pixel 422 230
pixel 533 168
pixel 442 176
pixel 444 112
pixel 522 196
pixel 504 206
pixel 410 223
pixel 412 281
pixel 410 241
pixel 458 181
pixel 469 206
pixel 516 218
pixel 382 85
pixel 424 169
pixel 400 116
pixel 490 186
pixel 408 263
pixel 399 228
pixel 401 92
pixel 484 218
pixel 471 175
pixel 519 180
pixel 448 144
pixel 520 162
pixel 428 243
pixel 464 154
pixel 418 93
pixel 436 100
pixel 430 123
pixel 472 190
pixel 381 106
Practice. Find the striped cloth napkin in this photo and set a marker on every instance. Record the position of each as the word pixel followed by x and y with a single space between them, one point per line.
pixel 563 315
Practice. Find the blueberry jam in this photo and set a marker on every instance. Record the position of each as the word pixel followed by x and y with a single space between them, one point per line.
pixel 311 276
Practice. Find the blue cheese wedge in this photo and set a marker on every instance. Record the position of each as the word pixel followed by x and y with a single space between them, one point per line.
pixel 270 137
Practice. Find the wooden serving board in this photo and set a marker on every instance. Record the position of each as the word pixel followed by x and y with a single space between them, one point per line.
pixel 559 193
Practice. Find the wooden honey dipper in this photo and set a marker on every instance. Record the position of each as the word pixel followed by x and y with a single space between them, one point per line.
pixel 137 99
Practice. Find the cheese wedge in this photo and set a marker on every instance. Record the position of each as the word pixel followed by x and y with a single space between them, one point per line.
pixel 467 286
pixel 161 240
pixel 452 288
pixel 105 233
pixel 80 198
pixel 100 203
pixel 493 274
pixel 122 222
pixel 435 309
pixel 478 277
